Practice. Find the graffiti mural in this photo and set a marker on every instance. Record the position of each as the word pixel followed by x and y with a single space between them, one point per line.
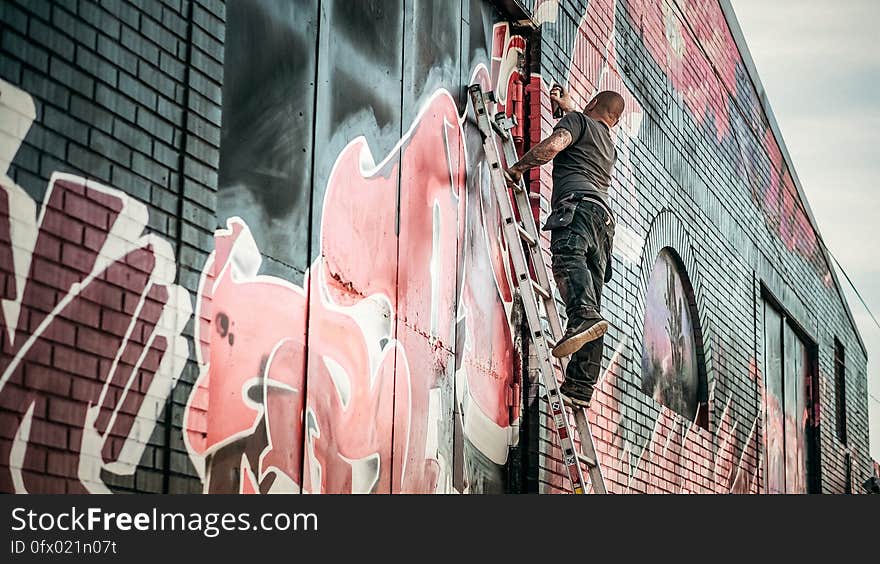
pixel 669 351
pixel 691 42
pixel 408 311
pixel 354 327
pixel 680 456
pixel 91 323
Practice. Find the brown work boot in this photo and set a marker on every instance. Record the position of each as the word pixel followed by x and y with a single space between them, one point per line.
pixel 576 337
pixel 575 394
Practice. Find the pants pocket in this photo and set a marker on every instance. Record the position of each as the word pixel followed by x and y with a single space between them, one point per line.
pixel 561 216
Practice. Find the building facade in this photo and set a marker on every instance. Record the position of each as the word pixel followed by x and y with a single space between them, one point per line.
pixel 250 247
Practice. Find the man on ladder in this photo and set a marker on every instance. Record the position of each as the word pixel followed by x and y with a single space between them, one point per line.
pixel 582 227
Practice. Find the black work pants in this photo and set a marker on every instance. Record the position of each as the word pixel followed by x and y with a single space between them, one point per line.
pixel 582 234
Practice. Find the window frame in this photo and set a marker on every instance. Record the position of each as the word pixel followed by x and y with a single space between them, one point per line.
pixel 840 419
pixel 812 434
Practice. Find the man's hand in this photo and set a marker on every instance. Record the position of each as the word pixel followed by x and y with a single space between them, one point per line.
pixel 561 98
pixel 512 176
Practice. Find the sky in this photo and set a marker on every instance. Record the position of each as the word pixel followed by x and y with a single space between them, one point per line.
pixel 820 65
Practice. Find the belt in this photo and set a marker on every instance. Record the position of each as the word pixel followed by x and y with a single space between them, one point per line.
pixel 602 203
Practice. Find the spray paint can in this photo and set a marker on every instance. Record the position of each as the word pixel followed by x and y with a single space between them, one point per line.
pixel 557 109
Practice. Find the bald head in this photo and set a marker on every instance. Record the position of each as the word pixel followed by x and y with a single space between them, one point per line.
pixel 607 106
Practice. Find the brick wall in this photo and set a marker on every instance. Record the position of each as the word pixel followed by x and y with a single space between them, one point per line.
pixel 321 306
pixel 122 152
pixel 700 172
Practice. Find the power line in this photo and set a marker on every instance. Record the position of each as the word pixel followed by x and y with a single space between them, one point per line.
pixel 853 286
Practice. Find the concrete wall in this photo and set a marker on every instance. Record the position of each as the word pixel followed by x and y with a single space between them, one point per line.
pixel 310 294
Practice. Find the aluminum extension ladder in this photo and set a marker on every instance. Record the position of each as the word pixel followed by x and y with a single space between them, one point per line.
pixel 520 236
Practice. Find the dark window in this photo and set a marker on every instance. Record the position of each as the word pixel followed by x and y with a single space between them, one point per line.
pixel 847 483
pixel 790 377
pixel 840 390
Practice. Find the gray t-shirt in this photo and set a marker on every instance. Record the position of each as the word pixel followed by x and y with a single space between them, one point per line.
pixel 585 165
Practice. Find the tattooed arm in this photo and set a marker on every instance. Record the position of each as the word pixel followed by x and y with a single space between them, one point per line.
pixel 541 153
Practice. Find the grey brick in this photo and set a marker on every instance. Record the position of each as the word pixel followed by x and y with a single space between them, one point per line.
pixel 205 86
pixel 13 17
pixel 199 172
pixel 188 278
pixel 39 8
pixel 202 195
pixel 10 70
pixel 134 41
pixel 163 199
pixel 159 35
pixel 97 67
pixel 158 222
pixel 172 19
pixel 151 77
pixel 170 111
pixel 111 49
pixel 207 64
pixel 91 114
pixel 154 125
pixel 110 148
pixel 122 178
pixel 182 485
pixel 199 238
pixel 89 163
pixel 100 19
pixel 112 100
pixel 166 155
pixel 73 78
pixel 27 158
pixel 51 39
pixel 149 169
pixel 173 5
pixel 47 141
pixel 137 90
pixel 203 151
pixel 50 165
pixel 216 7
pixel 209 22
pixel 150 7
pixel 171 66
pixel 32 183
pixel 69 5
pixel 153 482
pixel 192 257
pixel 132 136
pixel 198 215
pixel 66 126
pixel 204 107
pixel 75 27
pixel 207 43
pixel 24 50
pixel 123 10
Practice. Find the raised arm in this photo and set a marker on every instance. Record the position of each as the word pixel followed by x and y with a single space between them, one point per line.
pixel 541 153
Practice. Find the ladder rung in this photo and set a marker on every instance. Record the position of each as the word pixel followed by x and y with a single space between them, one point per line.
pixel 540 290
pixel 498 129
pixel 526 236
pixel 586 459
